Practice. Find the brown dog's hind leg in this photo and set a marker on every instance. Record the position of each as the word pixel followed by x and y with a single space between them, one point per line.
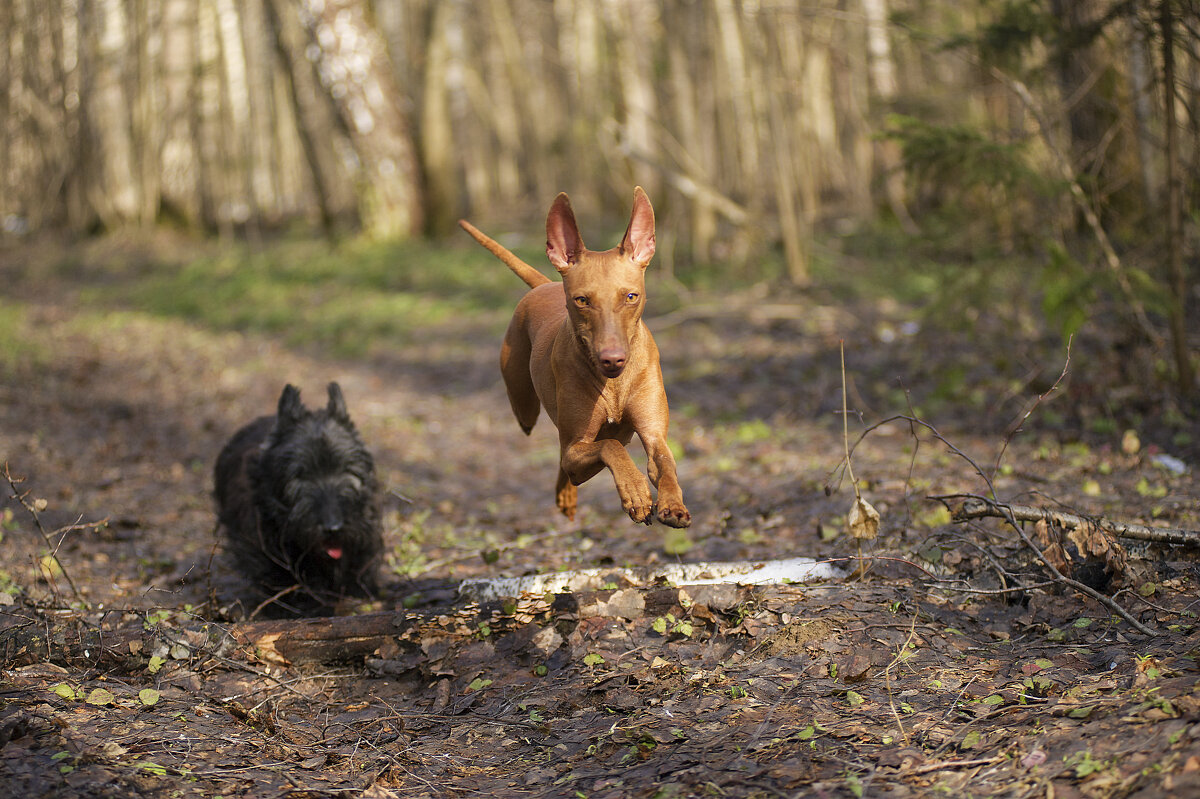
pixel 566 495
pixel 514 366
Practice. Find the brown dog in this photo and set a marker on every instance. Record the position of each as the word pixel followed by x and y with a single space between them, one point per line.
pixel 579 349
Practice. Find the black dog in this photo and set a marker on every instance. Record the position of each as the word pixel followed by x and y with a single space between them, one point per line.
pixel 299 501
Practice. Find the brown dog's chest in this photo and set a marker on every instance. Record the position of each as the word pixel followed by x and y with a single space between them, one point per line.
pixel 612 403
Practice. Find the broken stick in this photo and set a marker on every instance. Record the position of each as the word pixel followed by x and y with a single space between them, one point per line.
pixel 973 506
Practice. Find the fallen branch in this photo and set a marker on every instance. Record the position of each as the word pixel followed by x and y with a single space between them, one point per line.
pixel 1005 512
pixel 332 639
pixel 963 507
pixel 401 636
pixel 764 572
pixel 949 764
pixel 82 642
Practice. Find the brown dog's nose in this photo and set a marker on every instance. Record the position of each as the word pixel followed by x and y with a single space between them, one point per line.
pixel 612 362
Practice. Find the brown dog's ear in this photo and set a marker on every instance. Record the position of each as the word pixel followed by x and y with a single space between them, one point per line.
pixel 638 243
pixel 563 243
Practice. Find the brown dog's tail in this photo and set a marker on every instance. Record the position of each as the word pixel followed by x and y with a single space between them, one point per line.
pixel 531 276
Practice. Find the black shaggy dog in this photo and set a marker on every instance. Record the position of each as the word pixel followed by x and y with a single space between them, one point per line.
pixel 298 499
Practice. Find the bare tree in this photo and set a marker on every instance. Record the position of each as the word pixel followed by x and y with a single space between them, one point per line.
pixel 1178 280
pixel 441 104
pixel 107 102
pixel 886 86
pixel 354 68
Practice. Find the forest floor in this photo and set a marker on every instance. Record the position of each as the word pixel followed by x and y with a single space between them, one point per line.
pixel 920 679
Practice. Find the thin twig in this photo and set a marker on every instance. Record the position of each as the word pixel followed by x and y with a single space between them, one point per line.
pixel 51 548
pixel 862 568
pixel 846 423
pixel 1017 427
pixel 1110 257
pixel 1017 589
pixel 887 676
pixel 918 422
pixel 272 599
pixel 928 767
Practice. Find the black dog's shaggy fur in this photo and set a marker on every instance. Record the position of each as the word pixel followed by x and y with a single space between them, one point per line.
pixel 298 499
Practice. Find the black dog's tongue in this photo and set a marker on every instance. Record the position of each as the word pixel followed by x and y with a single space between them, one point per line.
pixel 334 550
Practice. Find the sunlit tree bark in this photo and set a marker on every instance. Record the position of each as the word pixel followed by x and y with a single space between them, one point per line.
pixel 177 152
pixel 111 192
pixel 886 86
pixel 354 69
pixel 440 152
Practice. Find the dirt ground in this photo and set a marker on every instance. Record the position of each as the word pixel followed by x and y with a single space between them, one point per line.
pixel 921 679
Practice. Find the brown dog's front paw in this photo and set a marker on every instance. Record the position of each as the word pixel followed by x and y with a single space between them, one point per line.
pixel 643 514
pixel 674 516
pixel 636 499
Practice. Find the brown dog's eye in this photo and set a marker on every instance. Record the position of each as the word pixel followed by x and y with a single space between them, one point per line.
pixel 582 302
pixel 631 297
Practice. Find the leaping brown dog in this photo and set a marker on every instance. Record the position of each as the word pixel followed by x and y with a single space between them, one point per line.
pixel 580 350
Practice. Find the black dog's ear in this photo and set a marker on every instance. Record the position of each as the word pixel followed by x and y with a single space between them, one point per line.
pixel 291 410
pixel 337 403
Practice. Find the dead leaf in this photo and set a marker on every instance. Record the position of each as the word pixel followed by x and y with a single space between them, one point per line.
pixel 1035 758
pixel 1095 544
pixel 441 695
pixel 627 604
pixel 1049 541
pixel 903 758
pixel 537 775
pixel 720 597
pixel 853 668
pixel 112 750
pixel 863 520
pixel 547 641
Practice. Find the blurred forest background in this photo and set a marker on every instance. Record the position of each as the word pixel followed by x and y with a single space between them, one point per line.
pixel 1025 157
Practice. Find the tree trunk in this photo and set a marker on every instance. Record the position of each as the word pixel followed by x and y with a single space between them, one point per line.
pixel 290 52
pixel 111 192
pixel 354 68
pixel 1141 89
pixel 686 110
pixel 883 80
pixel 177 153
pixel 537 107
pixel 1097 151
pixel 144 87
pixel 793 221
pixel 439 150
pixel 630 22
pixel 1177 272
pixel 243 206
pixel 850 99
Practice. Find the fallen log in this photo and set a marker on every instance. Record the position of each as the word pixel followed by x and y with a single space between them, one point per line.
pixel 963 507
pixel 81 641
pixel 764 572
pixel 332 639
